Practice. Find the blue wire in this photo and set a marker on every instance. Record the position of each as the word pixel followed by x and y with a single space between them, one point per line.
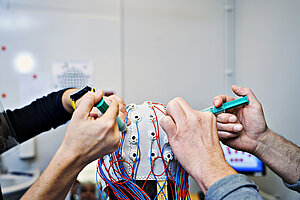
pixel 138 152
pixel 124 132
pixel 121 149
pixel 166 175
pixel 161 188
pixel 129 184
pixel 176 182
pixel 100 191
pixel 119 194
pixel 153 173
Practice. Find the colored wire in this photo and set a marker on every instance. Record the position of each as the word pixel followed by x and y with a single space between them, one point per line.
pixel 153 172
pixel 122 182
pixel 138 151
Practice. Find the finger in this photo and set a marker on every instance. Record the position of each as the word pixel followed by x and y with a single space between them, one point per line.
pixel 175 111
pixel 229 127
pixel 241 91
pixel 168 125
pixel 122 105
pixel 219 100
pixel 95 113
pixel 184 105
pixel 87 103
pixel 112 111
pixel 77 103
pixel 226 118
pixel 223 135
pixel 123 117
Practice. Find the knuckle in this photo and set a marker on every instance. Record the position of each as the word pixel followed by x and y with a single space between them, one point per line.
pixel 199 116
pixel 178 99
pixel 248 90
pixel 171 104
pixel 208 115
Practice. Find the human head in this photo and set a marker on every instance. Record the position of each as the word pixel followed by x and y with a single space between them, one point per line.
pixel 87 191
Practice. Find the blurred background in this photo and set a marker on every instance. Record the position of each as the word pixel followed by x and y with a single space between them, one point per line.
pixel 151 50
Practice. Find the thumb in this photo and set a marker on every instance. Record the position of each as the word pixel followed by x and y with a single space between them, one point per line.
pixel 168 125
pixel 87 103
pixel 241 91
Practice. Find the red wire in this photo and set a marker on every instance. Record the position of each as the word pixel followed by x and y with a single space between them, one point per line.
pixel 120 183
pixel 182 193
pixel 159 104
pixel 159 110
pixel 162 172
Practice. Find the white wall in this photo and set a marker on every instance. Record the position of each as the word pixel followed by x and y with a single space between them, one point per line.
pixel 170 48
pixel 174 48
pixel 51 31
pixel 268 52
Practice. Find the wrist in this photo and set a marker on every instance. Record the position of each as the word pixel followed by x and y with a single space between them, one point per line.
pixel 263 143
pixel 210 174
pixel 70 159
pixel 66 100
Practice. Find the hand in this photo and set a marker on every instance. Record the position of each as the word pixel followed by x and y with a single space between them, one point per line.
pixel 89 138
pixel 122 107
pixel 194 140
pixel 243 127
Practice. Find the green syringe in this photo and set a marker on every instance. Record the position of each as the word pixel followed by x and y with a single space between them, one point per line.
pixel 228 105
pixel 103 106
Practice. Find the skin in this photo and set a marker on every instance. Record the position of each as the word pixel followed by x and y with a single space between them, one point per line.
pixel 95 112
pixel 66 100
pixel 87 191
pixel 194 140
pixel 87 138
pixel 245 129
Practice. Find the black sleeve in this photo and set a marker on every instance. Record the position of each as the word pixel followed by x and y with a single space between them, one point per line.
pixel 41 115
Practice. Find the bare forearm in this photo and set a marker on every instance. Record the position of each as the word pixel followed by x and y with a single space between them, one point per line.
pixel 282 156
pixel 56 180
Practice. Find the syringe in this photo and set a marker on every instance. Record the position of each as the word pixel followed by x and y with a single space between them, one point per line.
pixel 103 106
pixel 228 105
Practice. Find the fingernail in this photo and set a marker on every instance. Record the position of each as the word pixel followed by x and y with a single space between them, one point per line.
pixel 217 102
pixel 238 128
pixel 232 119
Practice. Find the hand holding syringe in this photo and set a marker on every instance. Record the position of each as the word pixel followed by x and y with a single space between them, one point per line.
pixel 228 105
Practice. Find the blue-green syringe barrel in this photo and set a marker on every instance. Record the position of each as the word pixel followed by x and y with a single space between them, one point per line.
pixel 228 105
pixel 103 106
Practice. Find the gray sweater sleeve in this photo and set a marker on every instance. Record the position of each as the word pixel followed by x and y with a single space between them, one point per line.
pixel 236 186
pixel 295 186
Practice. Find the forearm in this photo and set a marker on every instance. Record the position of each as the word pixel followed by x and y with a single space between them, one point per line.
pixel 57 179
pixel 212 174
pixel 233 187
pixel 41 115
pixel 282 156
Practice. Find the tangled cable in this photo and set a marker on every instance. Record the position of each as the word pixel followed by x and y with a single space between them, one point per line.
pixel 122 184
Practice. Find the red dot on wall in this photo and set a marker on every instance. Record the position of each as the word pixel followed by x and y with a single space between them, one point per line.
pixel 3 95
pixel 34 76
pixel 3 48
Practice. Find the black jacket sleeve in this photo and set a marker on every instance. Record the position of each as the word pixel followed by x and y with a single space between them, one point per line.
pixel 41 115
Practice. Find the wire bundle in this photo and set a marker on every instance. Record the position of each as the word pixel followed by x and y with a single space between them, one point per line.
pixel 122 183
